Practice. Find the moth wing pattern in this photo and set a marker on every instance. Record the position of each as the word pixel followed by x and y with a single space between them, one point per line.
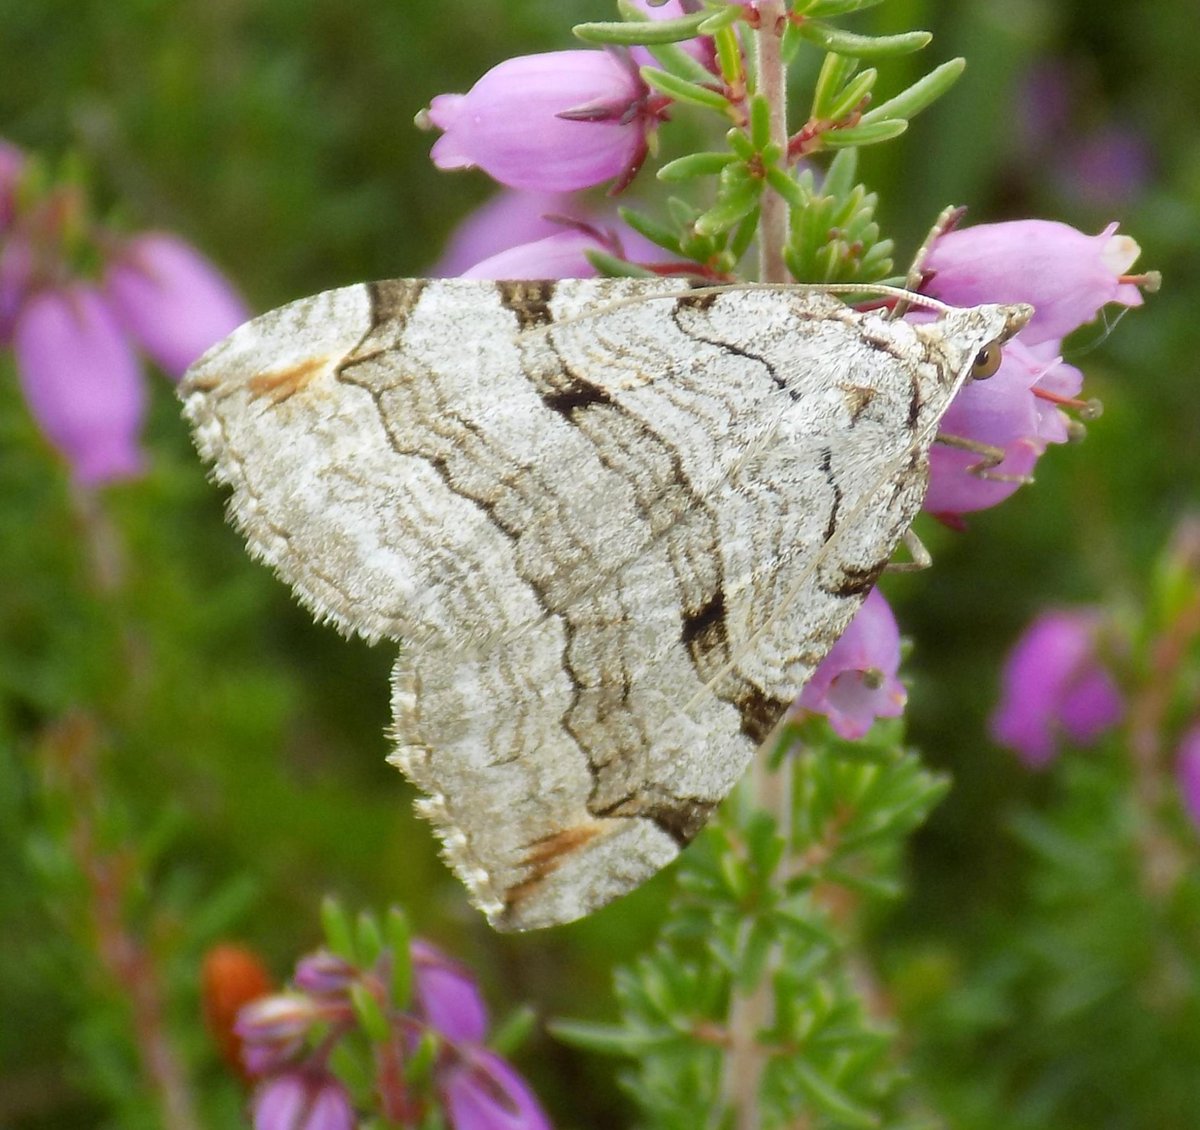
pixel 615 527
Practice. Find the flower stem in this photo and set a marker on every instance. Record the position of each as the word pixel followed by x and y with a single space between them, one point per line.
pixel 772 85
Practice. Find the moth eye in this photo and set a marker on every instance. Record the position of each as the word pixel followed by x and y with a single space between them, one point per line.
pixel 987 361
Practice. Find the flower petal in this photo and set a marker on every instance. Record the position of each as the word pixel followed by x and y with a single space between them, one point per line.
pixel 81 381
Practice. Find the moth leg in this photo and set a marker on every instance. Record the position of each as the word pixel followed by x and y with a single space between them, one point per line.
pixel 919 554
pixel 916 273
pixel 989 456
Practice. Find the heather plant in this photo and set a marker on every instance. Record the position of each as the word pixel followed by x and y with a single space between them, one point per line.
pixel 173 786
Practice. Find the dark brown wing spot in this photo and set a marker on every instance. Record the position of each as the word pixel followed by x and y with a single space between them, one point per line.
pixel 759 713
pixel 278 385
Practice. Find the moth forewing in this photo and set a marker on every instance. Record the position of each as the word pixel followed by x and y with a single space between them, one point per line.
pixel 614 524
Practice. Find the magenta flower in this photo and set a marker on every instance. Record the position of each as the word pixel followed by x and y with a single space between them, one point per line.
pixel 509 218
pixel 324 974
pixel 1006 412
pixel 856 681
pixel 554 122
pixel 1055 685
pixel 1065 275
pixel 482 1092
pixel 447 997
pixel 1187 768
pixel 171 300
pixel 81 382
pixel 307 1099
pixel 16 280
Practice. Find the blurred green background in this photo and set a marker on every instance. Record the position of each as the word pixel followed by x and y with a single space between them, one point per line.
pixel 276 135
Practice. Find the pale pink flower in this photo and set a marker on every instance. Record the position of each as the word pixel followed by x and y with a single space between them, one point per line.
pixel 554 122
pixel 171 300
pixel 81 381
pixel 857 680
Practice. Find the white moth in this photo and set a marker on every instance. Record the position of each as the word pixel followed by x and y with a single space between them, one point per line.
pixel 613 526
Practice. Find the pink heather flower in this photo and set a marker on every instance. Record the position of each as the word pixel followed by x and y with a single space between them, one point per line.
pixel 324 974
pixel 81 381
pixel 12 163
pixel 1187 767
pixel 273 1030
pixel 447 997
pixel 305 1099
pixel 564 254
pixel 856 681
pixel 1065 275
pixel 560 256
pixel 509 218
pixel 482 1092
pixel 16 278
pixel 171 300
pixel 1054 684
pixel 554 122
pixel 1004 412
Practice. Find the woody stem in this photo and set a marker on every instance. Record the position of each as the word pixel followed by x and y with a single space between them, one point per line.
pixel 772 85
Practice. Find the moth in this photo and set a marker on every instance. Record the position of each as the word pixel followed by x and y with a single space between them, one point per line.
pixel 614 525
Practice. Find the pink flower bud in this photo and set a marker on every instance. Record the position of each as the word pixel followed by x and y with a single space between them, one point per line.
pixel 554 122
pixel 482 1092
pixel 447 997
pixel 1187 768
pixel 171 300
pixel 324 974
pixel 856 681
pixel 1065 275
pixel 305 1099
pixel 81 381
pixel 283 1016
pixel 1054 684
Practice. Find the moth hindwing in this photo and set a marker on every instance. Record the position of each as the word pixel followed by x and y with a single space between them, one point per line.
pixel 613 526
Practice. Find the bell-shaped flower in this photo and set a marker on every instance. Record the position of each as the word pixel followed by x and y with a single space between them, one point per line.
pixel 81 381
pixel 446 995
pixel 554 122
pixel 324 974
pixel 1055 685
pixel 171 300
pixel 1065 275
pixel 1187 771
pixel 564 255
pixel 1014 411
pixel 482 1092
pixel 510 218
pixel 304 1099
pixel 16 279
pixel 857 680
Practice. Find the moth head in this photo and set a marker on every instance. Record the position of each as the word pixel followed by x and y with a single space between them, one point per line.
pixel 991 354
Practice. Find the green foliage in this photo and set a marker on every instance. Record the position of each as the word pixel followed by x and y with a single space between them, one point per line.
pixel 769 919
